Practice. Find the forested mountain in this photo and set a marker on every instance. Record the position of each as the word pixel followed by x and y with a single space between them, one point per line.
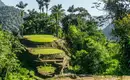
pixel 108 32
pixel 10 18
pixel 1 3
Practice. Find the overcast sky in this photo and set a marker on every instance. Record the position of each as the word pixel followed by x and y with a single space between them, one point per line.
pixel 65 3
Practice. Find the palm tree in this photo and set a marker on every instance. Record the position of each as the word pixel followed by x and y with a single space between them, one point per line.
pixel 41 5
pixel 58 14
pixel 22 6
pixel 47 5
pixel 71 9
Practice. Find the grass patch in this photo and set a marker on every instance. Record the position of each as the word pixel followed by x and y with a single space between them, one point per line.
pixel 43 51
pixel 45 70
pixel 40 38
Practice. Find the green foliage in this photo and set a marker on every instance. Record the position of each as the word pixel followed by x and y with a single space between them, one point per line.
pixel 122 27
pixel 118 12
pixel 73 30
pixel 46 69
pixel 10 66
pixel 81 53
pixel 21 74
pixel 77 18
pixel 113 67
pixel 91 51
pixel 122 31
pixel 8 59
pixel 116 9
pixel 97 56
pixel 37 23
pixel 75 37
pixel 57 13
pixel 60 33
pixel 75 68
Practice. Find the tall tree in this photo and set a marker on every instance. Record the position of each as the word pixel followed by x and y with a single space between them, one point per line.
pixel 76 16
pixel 71 9
pixel 22 6
pixel 47 5
pixel 58 14
pixel 41 5
pixel 116 9
pixel 122 30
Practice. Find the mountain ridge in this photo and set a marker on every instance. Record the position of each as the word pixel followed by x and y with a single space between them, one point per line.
pixel 10 18
pixel 2 4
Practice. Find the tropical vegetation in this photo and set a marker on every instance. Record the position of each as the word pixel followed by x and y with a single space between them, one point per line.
pixel 36 44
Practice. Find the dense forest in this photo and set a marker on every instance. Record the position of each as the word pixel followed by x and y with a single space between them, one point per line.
pixel 36 45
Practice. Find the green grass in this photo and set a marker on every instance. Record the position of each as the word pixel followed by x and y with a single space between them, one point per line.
pixel 43 51
pixel 40 38
pixel 46 69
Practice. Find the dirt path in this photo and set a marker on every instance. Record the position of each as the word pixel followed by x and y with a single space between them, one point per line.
pixel 96 78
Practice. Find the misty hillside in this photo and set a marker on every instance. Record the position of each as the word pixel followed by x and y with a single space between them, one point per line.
pixel 10 18
pixel 108 31
pixel 1 3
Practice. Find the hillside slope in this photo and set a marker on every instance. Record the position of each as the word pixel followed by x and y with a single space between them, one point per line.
pixel 108 32
pixel 10 18
pixel 1 3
